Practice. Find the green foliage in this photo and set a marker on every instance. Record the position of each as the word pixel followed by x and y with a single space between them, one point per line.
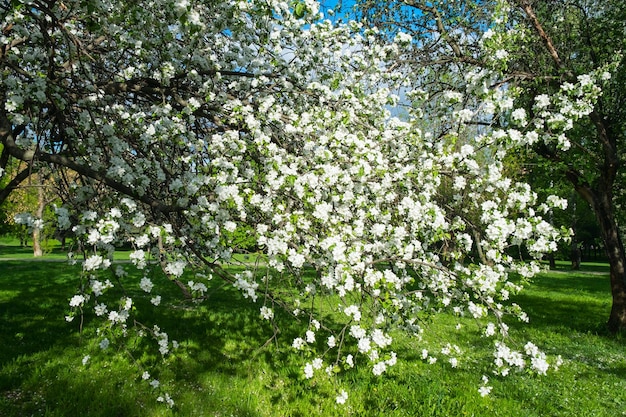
pixel 222 368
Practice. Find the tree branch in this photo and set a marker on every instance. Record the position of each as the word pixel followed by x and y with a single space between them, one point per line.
pixel 28 155
pixel 530 13
pixel 15 181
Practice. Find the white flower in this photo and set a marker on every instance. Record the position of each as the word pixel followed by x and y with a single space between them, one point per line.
pixel 176 268
pixel 139 220
pixel 298 343
pixel 94 262
pixel 267 313
pixel 542 101
pixel 86 359
pixel 379 368
pixel 308 371
pixel 317 363
pixel 350 361
pixel 342 397
pixel 354 312
pixel 380 338
pixel 453 96
pixel 364 345
pixel 146 284
pixel 490 330
pixel 77 301
pixel 488 34
pixel 331 342
pixel 484 390
pixel 403 38
pixel 138 258
pixel 101 309
pixel 519 116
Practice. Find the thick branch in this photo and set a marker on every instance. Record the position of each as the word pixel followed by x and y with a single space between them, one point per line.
pixel 530 13
pixel 15 181
pixel 611 159
pixel 28 155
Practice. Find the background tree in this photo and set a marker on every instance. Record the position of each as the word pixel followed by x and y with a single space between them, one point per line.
pixel 28 208
pixel 538 45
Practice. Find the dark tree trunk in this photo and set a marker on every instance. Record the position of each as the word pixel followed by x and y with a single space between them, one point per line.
pixel 617 262
pixel 601 201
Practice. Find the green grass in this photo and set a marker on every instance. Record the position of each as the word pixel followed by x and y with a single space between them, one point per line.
pixel 222 369
pixel 10 249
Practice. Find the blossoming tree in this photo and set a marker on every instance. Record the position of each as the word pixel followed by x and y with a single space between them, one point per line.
pixel 251 115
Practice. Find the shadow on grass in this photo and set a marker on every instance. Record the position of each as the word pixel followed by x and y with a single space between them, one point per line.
pixel 33 302
pixel 574 300
pixel 26 252
pixel 40 363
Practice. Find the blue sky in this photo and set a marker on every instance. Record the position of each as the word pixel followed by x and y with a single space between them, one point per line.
pixel 332 4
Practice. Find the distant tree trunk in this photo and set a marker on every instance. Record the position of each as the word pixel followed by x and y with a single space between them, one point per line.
pixel 41 205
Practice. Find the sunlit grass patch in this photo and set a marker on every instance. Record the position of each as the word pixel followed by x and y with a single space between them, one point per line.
pixel 225 366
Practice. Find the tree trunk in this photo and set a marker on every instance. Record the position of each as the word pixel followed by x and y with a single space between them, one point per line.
pixel 600 198
pixel 41 205
pixel 617 262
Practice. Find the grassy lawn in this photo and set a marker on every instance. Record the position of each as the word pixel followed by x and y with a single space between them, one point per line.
pixel 222 369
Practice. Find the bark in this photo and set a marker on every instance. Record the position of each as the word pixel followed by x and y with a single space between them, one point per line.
pixel 601 201
pixel 41 205
pixel 617 262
